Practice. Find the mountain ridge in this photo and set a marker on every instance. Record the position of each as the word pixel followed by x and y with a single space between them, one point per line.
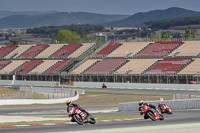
pixel 138 19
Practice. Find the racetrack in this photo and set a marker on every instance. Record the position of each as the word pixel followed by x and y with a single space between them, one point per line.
pixel 179 117
pixel 144 91
pixel 118 90
pixel 170 124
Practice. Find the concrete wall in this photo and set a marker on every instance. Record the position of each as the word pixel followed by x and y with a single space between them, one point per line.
pixel 173 104
pixel 136 85
pixel 37 101
pixel 23 82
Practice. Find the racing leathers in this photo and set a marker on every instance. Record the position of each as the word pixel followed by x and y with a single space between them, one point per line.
pixel 141 106
pixel 81 109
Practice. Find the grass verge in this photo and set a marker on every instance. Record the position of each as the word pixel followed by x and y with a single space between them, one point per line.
pixel 98 118
pixel 101 99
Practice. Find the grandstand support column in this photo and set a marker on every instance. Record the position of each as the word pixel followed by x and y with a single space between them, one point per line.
pixel 157 79
pixel 131 78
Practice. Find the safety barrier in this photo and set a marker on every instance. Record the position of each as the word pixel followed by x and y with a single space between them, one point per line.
pixel 173 104
pixel 38 101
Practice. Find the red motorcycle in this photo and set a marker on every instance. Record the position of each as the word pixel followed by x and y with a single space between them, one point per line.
pixel 151 113
pixel 79 116
pixel 164 108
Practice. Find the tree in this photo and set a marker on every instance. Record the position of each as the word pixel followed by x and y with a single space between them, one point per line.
pixel 165 35
pixel 66 36
pixel 190 34
pixel 14 41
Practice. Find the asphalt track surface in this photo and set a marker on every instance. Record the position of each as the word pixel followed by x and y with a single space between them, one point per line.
pixel 118 90
pixel 178 117
pixel 143 91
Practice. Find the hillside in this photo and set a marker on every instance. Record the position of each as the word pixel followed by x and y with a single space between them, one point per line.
pixel 138 19
pixel 9 13
pixel 167 23
pixel 56 19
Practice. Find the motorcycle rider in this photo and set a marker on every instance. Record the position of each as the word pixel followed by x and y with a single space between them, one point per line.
pixel 161 106
pixel 142 104
pixel 70 104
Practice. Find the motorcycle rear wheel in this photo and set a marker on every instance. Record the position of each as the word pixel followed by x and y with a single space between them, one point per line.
pixel 78 119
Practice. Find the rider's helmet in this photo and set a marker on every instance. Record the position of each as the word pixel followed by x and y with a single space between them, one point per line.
pixel 159 103
pixel 140 102
pixel 68 102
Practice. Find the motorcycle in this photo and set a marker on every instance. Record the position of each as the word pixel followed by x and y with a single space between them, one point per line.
pixel 151 113
pixel 79 116
pixel 164 109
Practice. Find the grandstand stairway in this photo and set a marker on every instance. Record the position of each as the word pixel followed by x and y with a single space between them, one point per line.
pixel 158 49
pixel 151 66
pixel 6 50
pixel 17 68
pixel 142 50
pixel 106 66
pixel 184 66
pixel 66 51
pixel 90 66
pixel 107 50
pixel 34 51
pixel 59 66
pixel 19 56
pixel 27 67
pixel 50 56
pixel 181 43
pixel 4 63
pixel 168 66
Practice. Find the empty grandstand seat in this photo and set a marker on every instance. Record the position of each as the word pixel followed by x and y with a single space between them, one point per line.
pixel 14 64
pixel 128 49
pixel 193 68
pixel 106 50
pixel 31 53
pixel 28 66
pixel 49 51
pixel 168 66
pixel 189 48
pixel 59 66
pixel 158 49
pixel 106 66
pixel 6 50
pixel 135 66
pixel 66 50
pixel 3 63
pixel 84 48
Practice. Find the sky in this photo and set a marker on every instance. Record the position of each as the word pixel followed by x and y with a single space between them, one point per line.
pixel 128 7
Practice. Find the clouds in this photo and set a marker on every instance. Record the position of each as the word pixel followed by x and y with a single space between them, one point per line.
pixel 97 6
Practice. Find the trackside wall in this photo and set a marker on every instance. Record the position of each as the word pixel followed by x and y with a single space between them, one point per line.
pixel 173 104
pixel 136 85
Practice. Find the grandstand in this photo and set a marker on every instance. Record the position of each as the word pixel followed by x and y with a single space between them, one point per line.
pixel 33 51
pixel 65 51
pixel 6 50
pixel 128 49
pixel 188 49
pixel 138 62
pixel 158 49
pixel 13 64
pixel 48 51
pixel 108 49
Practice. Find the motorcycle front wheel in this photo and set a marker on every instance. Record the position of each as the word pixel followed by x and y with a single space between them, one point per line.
pixel 151 115
pixel 78 119
pixel 92 120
